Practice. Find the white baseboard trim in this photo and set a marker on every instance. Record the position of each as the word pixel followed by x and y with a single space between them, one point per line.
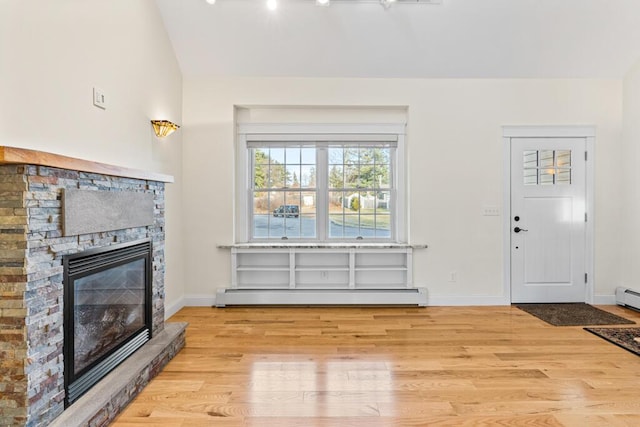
pixel 171 309
pixel 189 301
pixel 462 301
pixel 403 296
pixel 210 301
pixel 604 300
pixel 199 300
pixel 432 300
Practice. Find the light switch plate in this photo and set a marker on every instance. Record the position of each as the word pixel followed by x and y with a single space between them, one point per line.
pixel 490 211
pixel 99 98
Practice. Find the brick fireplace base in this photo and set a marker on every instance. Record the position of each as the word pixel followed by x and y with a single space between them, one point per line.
pixel 106 399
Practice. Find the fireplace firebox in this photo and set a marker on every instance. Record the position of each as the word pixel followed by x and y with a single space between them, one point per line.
pixel 107 311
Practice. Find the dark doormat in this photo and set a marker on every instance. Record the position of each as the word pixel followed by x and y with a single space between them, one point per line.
pixel 573 314
pixel 627 338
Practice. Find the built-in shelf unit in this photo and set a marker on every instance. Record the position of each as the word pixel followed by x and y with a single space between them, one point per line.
pixel 312 274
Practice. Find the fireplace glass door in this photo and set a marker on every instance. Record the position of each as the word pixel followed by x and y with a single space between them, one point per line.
pixel 107 294
pixel 108 309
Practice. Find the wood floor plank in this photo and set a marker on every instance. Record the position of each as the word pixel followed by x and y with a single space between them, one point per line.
pixel 388 366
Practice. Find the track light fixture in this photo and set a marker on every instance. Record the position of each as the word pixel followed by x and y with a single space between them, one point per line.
pixel 386 4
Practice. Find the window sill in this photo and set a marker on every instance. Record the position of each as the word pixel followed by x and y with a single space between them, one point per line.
pixel 274 245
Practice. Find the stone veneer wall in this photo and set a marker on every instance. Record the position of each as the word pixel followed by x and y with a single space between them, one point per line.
pixel 31 288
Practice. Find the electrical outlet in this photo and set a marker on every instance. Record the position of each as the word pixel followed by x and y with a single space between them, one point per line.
pixel 453 276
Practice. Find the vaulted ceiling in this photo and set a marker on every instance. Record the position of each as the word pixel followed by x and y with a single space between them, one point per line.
pixel 457 38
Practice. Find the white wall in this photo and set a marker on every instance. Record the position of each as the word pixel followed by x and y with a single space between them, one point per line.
pixel 630 244
pixel 455 167
pixel 52 54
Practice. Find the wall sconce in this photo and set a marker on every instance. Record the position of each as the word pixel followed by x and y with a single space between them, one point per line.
pixel 164 128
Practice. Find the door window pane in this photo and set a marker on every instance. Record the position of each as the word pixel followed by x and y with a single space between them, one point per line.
pixel 546 167
pixel 563 158
pixel 531 176
pixel 563 176
pixel 545 158
pixel 530 159
pixel 546 176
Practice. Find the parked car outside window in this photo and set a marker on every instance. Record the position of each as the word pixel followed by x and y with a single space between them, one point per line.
pixel 287 211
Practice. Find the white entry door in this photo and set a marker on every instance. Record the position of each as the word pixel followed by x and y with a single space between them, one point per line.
pixel 548 220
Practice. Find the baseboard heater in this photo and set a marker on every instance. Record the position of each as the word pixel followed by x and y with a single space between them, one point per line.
pixel 628 298
pixel 410 296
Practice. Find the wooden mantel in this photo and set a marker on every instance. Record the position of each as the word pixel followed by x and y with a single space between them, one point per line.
pixel 22 156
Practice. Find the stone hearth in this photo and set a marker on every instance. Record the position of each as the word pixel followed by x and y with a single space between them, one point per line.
pixel 32 244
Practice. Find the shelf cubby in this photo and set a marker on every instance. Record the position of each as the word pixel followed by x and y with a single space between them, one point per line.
pixel 318 268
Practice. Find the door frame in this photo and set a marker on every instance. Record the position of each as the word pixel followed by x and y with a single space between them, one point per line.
pixel 587 132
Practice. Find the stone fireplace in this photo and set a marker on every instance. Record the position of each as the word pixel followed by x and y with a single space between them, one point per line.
pixel 35 245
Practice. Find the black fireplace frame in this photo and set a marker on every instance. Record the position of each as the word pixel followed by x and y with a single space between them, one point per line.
pixel 91 261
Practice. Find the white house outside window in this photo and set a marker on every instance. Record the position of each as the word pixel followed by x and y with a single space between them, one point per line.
pixel 323 187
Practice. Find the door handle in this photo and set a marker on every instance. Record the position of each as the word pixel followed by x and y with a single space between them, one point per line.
pixel 518 229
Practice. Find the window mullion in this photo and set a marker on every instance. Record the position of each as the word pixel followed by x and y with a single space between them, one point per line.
pixel 393 186
pixel 249 183
pixel 322 195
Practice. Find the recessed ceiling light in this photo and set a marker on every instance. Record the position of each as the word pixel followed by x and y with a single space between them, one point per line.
pixel 211 1
pixel 322 2
pixel 272 4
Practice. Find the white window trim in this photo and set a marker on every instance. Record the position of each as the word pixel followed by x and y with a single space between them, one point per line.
pixel 317 132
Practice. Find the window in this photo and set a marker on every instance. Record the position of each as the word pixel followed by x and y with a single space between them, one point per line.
pixel 284 191
pixel 547 167
pixel 359 191
pixel 322 187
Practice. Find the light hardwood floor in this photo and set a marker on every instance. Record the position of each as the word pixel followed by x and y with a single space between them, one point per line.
pixel 434 366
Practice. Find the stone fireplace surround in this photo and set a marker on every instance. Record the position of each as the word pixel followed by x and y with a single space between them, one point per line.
pixel 32 244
